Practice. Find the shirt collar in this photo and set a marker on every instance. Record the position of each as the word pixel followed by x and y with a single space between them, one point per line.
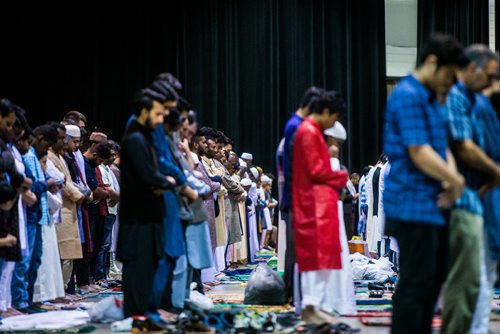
pixel 424 92
pixel 466 91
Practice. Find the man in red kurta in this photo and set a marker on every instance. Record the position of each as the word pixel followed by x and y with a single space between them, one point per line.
pixel 315 190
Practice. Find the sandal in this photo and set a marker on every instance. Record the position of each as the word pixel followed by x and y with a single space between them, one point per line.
pixel 343 328
pixel 376 293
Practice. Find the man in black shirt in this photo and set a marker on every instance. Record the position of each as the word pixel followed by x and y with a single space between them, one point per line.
pixel 140 237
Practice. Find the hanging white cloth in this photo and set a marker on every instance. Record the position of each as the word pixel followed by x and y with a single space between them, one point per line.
pixel 375 229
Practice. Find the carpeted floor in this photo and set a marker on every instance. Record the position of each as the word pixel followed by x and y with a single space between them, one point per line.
pixel 374 315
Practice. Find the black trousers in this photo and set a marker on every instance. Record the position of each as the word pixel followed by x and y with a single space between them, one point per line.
pixel 290 256
pixel 423 268
pixel 139 250
pixel 81 273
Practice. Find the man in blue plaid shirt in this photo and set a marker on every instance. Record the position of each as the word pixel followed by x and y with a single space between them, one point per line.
pixel 423 181
pixel 466 278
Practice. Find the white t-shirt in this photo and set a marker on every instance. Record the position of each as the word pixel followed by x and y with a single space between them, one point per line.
pixel 109 179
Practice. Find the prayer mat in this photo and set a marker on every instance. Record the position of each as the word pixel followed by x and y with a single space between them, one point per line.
pixel 257 308
pixel 386 321
pixel 244 271
pixel 370 314
pixel 226 298
pixel 374 308
pixel 373 301
pixel 376 321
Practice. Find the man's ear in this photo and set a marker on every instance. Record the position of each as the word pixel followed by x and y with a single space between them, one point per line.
pixel 144 113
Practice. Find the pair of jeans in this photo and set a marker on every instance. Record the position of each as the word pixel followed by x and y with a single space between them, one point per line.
pixel 102 245
pixel 162 284
pixel 423 268
pixel 25 271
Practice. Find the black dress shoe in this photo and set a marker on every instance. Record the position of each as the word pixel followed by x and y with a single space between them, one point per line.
pixel 37 309
pixel 27 310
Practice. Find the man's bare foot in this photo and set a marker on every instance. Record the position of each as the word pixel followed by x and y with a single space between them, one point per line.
pixel 328 317
pixel 311 316
pixel 167 316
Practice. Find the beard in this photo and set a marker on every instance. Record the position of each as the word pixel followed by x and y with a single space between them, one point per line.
pixel 149 124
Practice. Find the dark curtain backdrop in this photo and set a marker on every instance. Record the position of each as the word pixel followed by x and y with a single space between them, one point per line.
pixel 467 20
pixel 244 64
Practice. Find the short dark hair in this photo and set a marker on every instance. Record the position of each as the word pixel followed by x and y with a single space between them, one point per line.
pixel 75 116
pixel 354 175
pixel 56 126
pixel 310 94
pixel 69 121
pixel 171 80
pixel 447 49
pixel 22 121
pixel 174 118
pixel 208 133
pixel 223 139
pixel 142 100
pixel 48 132
pixel 183 104
pixel 102 150
pixel 6 107
pixel 163 88
pixel 114 146
pixel 154 95
pixel 331 100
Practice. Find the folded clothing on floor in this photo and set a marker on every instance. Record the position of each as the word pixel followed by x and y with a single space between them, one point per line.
pixel 45 321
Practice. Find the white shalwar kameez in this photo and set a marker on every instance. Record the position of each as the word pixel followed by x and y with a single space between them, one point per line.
pixel 340 296
pixel 49 284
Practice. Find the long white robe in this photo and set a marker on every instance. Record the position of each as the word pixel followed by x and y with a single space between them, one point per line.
pixel 253 235
pixel 49 284
pixel 340 293
pixel 6 270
